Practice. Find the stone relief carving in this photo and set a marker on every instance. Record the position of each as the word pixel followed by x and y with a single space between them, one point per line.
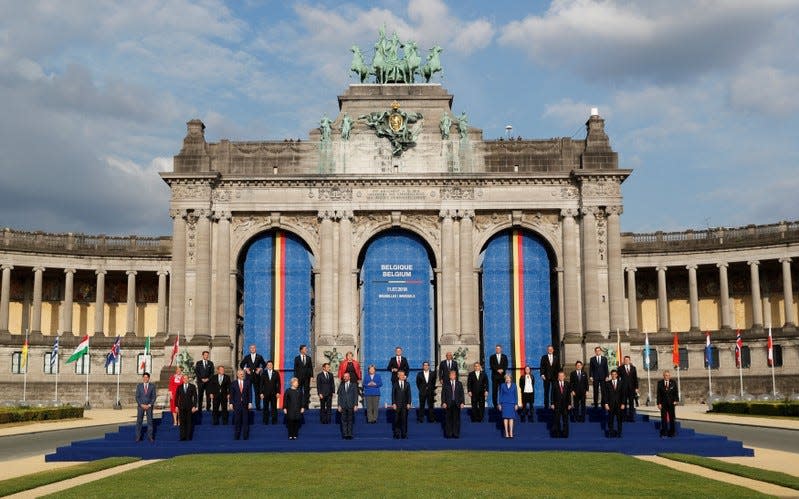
pixel 366 224
pixel 334 193
pixel 191 191
pixel 428 224
pixel 485 222
pixel 601 234
pixel 566 192
pixel 221 195
pixel 308 224
pixel 191 236
pixel 545 223
pixel 602 188
pixel 455 192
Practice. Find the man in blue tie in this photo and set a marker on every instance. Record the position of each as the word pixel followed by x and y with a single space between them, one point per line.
pixel 240 405
pixel 145 399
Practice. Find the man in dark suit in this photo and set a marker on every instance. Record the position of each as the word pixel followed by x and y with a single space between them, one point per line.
pixel 498 363
pixel 203 370
pixel 629 381
pixel 186 405
pixel 347 405
pixel 270 392
pixel 549 368
pixel 240 405
pixel 452 401
pixel 303 371
pixel 325 388
pixel 477 386
pixel 253 363
pixel 598 373
pixel 560 399
pixel 219 387
pixel 145 399
pixel 426 386
pixel 667 398
pixel 401 403
pixel 447 365
pixel 398 363
pixel 579 384
pixel 613 402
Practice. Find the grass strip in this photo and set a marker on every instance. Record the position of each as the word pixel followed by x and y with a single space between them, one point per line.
pixel 27 482
pixel 759 474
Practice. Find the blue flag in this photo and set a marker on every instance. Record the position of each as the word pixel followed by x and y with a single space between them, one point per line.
pixel 708 352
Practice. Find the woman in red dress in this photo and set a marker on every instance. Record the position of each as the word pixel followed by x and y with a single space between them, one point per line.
pixel 350 365
pixel 174 382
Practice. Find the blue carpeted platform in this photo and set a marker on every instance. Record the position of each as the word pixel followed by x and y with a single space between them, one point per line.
pixel 639 438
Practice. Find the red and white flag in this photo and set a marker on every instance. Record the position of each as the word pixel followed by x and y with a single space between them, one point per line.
pixel 175 349
pixel 770 349
pixel 739 344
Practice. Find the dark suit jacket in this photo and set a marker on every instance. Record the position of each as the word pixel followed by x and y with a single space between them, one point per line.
pixel 598 371
pixel 561 401
pixel 443 372
pixel 476 387
pixel 186 399
pixel 549 370
pixel 149 397
pixel 303 371
pixel 579 386
pixel 446 394
pixel 272 386
pixel 426 388
pixel 206 372
pixel 523 382
pixel 347 399
pixel 630 380
pixel 240 399
pixel 613 397
pixel 667 397
pixel 292 403
pixel 325 384
pixel 219 390
pixel 247 362
pixel 403 366
pixel 494 365
pixel 401 397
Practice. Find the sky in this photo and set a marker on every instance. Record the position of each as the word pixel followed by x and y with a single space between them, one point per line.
pixel 700 97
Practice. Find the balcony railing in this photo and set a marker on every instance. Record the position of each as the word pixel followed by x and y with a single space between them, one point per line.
pixel 712 238
pixel 84 244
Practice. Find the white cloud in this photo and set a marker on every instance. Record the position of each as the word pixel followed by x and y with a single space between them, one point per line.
pixel 765 90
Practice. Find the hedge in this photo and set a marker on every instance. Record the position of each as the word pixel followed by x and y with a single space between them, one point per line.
pixel 20 414
pixel 759 408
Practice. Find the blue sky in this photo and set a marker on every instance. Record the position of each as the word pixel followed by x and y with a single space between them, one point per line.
pixel 700 96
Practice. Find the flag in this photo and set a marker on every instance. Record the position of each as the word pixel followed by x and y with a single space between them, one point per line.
pixel 113 354
pixel 739 344
pixel 770 349
pixel 618 349
pixel 646 352
pixel 143 365
pixel 23 361
pixel 175 349
pixel 81 350
pixel 708 351
pixel 675 351
pixel 54 354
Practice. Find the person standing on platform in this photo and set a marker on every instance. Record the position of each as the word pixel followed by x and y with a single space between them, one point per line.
pixel 253 364
pixel 348 404
pixel 579 384
pixel 426 385
pixel 350 365
pixel 240 405
pixel 629 381
pixel 498 363
pixel 477 386
pixel 398 363
pixel 599 373
pixel 270 392
pixel 508 401
pixel 203 370
pixel 371 393
pixel 219 387
pixel 560 399
pixel 549 368
pixel 452 401
pixel 303 371
pixel 145 399
pixel 174 382
pixel 325 388
pixel 401 403
pixel 667 398
pixel 447 365
pixel 186 404
pixel 527 386
pixel 293 400
pixel 613 402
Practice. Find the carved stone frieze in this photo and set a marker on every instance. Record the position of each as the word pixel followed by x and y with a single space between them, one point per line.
pixel 184 192
pixel 601 188
pixel 488 221
pixel 428 224
pixel 457 192
pixel 191 236
pixel 565 192
pixel 222 195
pixel 601 234
pixel 336 193
pixel 548 223
pixel 364 225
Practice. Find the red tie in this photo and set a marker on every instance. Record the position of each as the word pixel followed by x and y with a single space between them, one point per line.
pixel 145 388
pixel 241 386
pixel 561 387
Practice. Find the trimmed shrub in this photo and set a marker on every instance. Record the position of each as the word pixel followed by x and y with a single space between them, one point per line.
pixel 21 414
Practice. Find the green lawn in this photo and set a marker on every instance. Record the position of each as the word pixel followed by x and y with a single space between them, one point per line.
pixel 775 477
pixel 27 482
pixel 412 475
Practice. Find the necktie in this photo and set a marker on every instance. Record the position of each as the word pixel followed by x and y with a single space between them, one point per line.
pixel 145 388
pixel 667 385
pixel 398 362
pixel 561 387
pixel 204 365
pixel 241 386
pixel 550 359
pixel 402 385
pixel 453 392
pixel 628 369
pixel 614 384
pixel 303 360
pixel 449 365
pixel 347 386
pixel 220 380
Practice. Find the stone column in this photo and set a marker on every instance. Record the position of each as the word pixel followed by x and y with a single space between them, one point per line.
pixel 130 306
pixel 161 321
pixel 571 290
pixel 36 319
pixel 757 304
pixel 787 292
pixel 467 282
pixel 724 295
pixel 202 294
pixel 693 297
pixel 177 276
pixel 590 270
pixel 326 278
pixel 99 303
pixel 663 301
pixel 447 283
pixel 346 288
pixel 69 293
pixel 615 272
pixel 5 296
pixel 222 281
pixel 632 299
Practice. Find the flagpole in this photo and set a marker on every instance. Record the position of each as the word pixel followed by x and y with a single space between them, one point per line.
pixel 679 385
pixel 773 378
pixel 118 405
pixel 57 368
pixel 25 374
pixel 740 369
pixel 87 405
pixel 709 381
